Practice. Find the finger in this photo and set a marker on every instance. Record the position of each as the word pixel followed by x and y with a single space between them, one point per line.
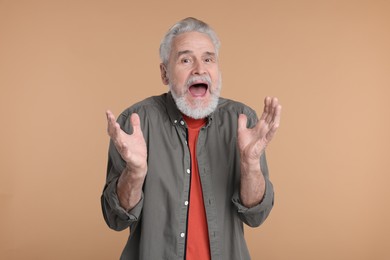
pixel 270 134
pixel 275 124
pixel 110 121
pixel 275 103
pixel 110 116
pixel 113 128
pixel 276 108
pixel 266 109
pixel 272 109
pixel 242 121
pixel 136 123
pixel 277 115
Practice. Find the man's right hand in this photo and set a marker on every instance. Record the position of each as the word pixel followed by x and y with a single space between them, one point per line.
pixel 133 151
pixel 132 148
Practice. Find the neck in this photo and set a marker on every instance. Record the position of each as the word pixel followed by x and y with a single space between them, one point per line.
pixel 194 123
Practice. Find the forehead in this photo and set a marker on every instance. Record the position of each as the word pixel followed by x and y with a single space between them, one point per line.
pixel 192 41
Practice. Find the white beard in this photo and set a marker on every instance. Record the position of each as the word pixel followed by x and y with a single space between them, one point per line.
pixel 199 109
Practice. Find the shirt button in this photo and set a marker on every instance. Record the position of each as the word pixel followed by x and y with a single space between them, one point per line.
pixel 175 121
pixel 186 203
pixel 182 234
pixel 182 122
pixel 188 171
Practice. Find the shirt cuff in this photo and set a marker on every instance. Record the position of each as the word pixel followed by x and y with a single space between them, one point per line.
pixel 264 204
pixel 112 198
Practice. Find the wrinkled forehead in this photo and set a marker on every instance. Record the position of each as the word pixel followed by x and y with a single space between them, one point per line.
pixel 192 42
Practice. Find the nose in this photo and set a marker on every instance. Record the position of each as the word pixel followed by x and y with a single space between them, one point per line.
pixel 199 68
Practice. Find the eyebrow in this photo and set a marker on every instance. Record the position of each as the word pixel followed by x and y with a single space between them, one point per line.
pixel 209 53
pixel 180 53
pixel 184 52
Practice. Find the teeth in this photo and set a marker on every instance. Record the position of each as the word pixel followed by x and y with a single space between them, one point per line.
pixel 200 84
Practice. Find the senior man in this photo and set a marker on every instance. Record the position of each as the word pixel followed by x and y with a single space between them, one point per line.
pixel 187 168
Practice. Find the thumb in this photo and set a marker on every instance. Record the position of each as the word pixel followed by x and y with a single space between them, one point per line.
pixel 242 120
pixel 136 123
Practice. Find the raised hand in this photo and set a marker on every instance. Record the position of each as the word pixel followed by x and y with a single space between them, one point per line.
pixel 132 148
pixel 252 142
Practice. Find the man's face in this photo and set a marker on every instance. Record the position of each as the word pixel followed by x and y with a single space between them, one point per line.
pixel 192 74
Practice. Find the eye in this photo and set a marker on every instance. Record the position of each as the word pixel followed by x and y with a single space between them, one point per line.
pixel 185 60
pixel 208 60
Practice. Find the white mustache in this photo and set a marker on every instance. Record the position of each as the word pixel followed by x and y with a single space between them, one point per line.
pixel 194 79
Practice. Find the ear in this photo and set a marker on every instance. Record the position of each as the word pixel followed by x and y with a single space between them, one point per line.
pixel 164 76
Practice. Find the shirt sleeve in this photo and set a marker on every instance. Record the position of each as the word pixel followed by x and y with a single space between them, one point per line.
pixel 256 215
pixel 116 217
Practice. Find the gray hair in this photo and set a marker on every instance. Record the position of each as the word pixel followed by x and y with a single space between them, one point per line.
pixel 189 24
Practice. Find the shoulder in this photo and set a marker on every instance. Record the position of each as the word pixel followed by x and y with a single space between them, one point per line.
pixel 151 110
pixel 155 105
pixel 228 108
pixel 226 105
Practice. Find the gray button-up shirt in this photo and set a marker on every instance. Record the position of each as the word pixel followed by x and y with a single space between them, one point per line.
pixel 158 223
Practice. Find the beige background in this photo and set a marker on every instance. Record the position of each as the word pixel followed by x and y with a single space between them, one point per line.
pixel 63 63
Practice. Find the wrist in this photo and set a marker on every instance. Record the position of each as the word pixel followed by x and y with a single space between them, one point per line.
pixel 138 170
pixel 251 156
pixel 250 166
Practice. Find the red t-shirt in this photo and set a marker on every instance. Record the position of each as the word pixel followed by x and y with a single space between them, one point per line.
pixel 198 246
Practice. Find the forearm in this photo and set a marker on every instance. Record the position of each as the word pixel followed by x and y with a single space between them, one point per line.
pixel 129 187
pixel 252 187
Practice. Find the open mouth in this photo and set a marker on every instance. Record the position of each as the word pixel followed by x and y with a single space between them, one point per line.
pixel 198 89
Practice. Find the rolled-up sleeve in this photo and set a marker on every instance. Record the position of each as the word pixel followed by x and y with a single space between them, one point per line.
pixel 116 216
pixel 256 215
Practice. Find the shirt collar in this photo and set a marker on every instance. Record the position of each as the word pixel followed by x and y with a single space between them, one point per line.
pixel 174 114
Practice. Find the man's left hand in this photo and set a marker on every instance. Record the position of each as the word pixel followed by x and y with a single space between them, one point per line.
pixel 253 141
